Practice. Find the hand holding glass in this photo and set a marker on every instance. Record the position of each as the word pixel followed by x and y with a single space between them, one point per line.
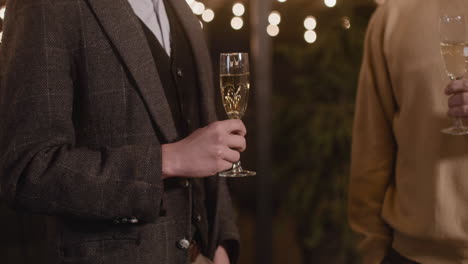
pixel 453 48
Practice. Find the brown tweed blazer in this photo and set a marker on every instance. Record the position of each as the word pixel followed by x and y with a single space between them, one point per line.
pixel 82 114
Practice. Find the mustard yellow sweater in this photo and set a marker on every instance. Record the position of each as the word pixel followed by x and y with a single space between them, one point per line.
pixel 409 182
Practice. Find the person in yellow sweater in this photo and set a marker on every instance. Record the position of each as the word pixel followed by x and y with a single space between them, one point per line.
pixel 408 193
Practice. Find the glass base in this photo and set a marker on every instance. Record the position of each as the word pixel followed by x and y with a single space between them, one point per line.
pixel 456 131
pixel 234 174
pixel 237 171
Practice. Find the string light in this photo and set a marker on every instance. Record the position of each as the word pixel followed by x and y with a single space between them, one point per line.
pixel 208 15
pixel 346 22
pixel 281 1
pixel 198 8
pixel 2 13
pixel 273 30
pixel 238 9
pixel 330 3
pixel 237 23
pixel 274 18
pixel 310 36
pixel 190 2
pixel 310 23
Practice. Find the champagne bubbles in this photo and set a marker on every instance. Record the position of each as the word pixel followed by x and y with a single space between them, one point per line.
pixel 237 23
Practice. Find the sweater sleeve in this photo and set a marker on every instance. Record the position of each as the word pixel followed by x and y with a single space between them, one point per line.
pixel 373 146
pixel 41 168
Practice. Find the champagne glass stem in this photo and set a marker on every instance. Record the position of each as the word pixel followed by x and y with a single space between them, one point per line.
pixel 236 167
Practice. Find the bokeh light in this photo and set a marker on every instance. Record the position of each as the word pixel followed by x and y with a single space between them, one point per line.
pixel 238 9
pixel 237 23
pixel 274 18
pixel 310 36
pixel 346 22
pixel 310 23
pixel 330 3
pixel 2 12
pixel 208 15
pixel 272 30
pixel 198 8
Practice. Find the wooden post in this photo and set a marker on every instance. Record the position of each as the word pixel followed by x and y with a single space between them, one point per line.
pixel 261 55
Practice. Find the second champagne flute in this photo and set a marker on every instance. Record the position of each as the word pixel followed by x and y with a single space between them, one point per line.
pixel 453 49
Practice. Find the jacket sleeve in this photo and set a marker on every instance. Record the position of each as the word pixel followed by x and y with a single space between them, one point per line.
pixel 228 231
pixel 41 169
pixel 373 146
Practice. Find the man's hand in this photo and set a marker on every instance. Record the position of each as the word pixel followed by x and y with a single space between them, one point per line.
pixel 206 151
pixel 458 100
pixel 221 256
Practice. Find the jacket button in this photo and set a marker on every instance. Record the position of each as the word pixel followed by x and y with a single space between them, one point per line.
pixel 180 73
pixel 183 244
pixel 133 220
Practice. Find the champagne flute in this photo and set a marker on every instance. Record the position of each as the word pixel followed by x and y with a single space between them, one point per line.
pixel 453 47
pixel 235 86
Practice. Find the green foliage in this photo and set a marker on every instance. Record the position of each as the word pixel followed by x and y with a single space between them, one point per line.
pixel 314 104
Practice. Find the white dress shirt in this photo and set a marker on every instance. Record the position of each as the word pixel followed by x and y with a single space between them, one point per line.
pixel 154 16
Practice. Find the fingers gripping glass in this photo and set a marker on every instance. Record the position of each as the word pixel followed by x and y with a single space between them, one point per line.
pixel 235 87
pixel 453 47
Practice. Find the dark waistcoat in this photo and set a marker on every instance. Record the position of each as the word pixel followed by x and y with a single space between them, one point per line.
pixel 179 80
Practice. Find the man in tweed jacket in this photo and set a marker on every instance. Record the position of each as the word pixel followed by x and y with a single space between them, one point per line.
pixel 91 156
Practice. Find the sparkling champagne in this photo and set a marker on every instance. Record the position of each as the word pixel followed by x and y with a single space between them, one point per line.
pixel 454 58
pixel 235 93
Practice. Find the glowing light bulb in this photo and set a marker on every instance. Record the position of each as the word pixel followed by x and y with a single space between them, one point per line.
pixel 272 30
pixel 310 36
pixel 310 23
pixel 237 23
pixel 238 9
pixel 2 12
pixel 208 15
pixel 198 8
pixel 274 18
pixel 330 3
pixel 346 22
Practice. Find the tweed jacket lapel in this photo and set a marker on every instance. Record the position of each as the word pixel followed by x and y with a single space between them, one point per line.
pixel 124 31
pixel 196 37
